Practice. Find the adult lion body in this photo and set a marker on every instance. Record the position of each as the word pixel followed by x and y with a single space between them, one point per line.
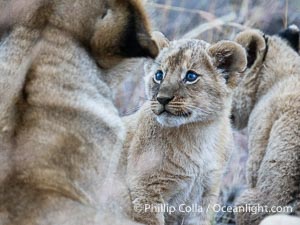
pixel 59 126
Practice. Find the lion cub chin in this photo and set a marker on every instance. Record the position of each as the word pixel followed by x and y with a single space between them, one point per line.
pixel 178 142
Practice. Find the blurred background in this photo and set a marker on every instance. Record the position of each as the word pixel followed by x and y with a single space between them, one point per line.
pixel 214 19
pixel 211 20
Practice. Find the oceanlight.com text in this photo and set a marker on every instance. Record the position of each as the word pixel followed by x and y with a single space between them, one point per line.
pixel 195 208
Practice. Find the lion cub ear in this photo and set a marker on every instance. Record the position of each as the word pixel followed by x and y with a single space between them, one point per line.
pixel 160 39
pixel 230 58
pixel 255 44
pixel 162 42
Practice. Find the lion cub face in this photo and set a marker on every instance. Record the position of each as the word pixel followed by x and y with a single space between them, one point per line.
pixel 191 80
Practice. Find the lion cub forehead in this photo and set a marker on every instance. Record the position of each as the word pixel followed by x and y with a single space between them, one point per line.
pixel 183 52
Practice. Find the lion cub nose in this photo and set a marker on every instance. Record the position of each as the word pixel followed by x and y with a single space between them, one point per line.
pixel 164 100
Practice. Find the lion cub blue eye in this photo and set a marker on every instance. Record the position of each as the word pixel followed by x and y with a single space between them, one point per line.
pixel 191 77
pixel 159 76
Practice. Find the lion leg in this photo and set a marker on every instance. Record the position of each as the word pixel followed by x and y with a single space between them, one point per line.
pixel 147 208
pixel 278 184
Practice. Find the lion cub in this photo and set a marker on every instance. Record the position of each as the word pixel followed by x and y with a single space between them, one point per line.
pixel 268 101
pixel 179 142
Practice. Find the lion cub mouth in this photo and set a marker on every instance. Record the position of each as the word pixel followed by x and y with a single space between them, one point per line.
pixel 166 112
pixel 170 111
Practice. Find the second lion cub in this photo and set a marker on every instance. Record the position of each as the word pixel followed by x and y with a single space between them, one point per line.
pixel 178 142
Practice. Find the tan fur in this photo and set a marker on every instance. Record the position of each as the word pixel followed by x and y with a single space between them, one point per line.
pixel 281 220
pixel 179 159
pixel 60 132
pixel 268 100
